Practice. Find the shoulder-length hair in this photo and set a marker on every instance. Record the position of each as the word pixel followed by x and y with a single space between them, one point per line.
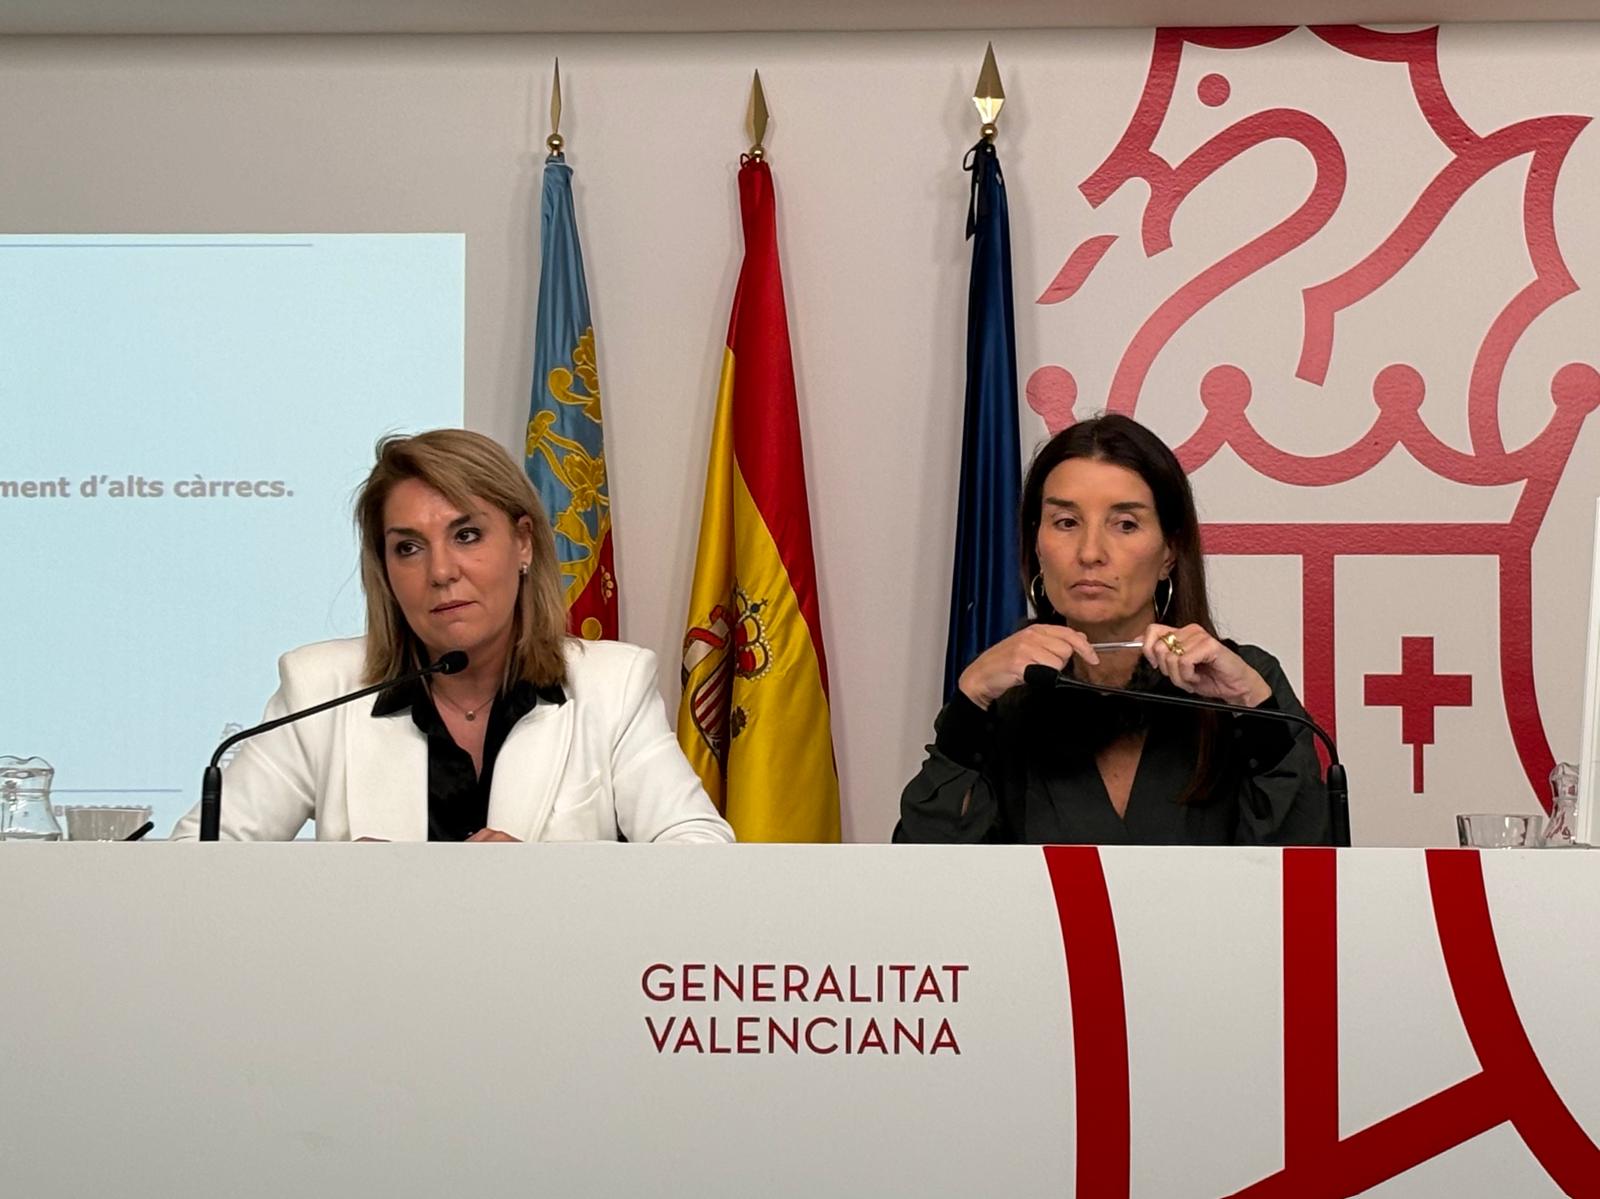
pixel 1123 441
pixel 465 468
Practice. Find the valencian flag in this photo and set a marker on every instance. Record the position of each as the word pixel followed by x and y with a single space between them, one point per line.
pixel 565 456
pixel 754 714
pixel 986 601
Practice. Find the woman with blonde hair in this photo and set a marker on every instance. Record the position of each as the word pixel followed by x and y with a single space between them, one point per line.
pixel 541 737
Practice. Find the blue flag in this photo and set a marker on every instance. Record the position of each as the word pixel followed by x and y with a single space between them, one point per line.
pixel 986 601
pixel 565 452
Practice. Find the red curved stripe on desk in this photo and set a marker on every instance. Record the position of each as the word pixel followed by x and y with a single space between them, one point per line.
pixel 1099 1019
pixel 1478 979
pixel 1310 1008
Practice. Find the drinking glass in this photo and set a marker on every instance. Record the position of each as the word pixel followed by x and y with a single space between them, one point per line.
pixel 1501 830
pixel 103 822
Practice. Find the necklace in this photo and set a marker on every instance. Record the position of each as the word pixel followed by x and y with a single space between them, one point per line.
pixel 470 713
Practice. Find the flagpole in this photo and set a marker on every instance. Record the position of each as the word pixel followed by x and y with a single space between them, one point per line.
pixel 986 588
pixel 564 449
pixel 754 717
pixel 989 96
pixel 757 119
pixel 555 141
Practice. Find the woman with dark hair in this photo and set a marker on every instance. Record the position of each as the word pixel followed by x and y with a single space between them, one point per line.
pixel 1111 554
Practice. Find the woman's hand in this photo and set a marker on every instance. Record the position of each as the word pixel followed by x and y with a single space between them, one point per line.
pixel 492 834
pixel 999 668
pixel 1203 666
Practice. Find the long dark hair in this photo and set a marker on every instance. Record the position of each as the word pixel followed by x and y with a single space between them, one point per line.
pixel 1123 441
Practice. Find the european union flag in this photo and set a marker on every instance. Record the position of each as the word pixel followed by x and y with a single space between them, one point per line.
pixel 986 601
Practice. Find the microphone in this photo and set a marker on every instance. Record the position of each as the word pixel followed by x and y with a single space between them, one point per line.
pixel 453 662
pixel 1338 787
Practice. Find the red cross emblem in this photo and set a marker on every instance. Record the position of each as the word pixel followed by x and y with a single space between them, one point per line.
pixel 1417 692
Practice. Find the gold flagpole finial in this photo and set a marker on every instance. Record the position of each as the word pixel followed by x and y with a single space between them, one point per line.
pixel 555 141
pixel 989 96
pixel 758 120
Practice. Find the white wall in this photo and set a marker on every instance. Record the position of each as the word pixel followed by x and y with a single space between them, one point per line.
pixel 408 134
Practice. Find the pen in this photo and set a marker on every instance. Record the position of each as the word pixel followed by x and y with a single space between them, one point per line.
pixel 1100 645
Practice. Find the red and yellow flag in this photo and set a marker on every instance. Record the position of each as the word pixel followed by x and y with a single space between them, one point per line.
pixel 754 715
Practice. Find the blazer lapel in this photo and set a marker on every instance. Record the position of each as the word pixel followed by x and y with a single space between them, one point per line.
pixel 386 776
pixel 528 769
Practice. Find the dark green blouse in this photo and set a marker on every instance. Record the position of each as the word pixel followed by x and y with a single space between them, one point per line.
pixel 1029 764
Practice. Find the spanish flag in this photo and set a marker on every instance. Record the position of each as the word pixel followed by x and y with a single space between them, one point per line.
pixel 754 715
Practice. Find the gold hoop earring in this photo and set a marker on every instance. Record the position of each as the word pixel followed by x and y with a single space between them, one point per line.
pixel 1041 600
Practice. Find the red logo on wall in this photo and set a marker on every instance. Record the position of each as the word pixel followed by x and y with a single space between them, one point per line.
pixel 1537 147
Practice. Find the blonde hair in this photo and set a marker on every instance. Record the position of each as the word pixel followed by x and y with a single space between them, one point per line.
pixel 461 466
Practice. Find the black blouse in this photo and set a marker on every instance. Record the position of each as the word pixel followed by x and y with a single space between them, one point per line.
pixel 458 798
pixel 1028 763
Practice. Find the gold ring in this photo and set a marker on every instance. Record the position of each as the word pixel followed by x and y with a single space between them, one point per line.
pixel 1171 641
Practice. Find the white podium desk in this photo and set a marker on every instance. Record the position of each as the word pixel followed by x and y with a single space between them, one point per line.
pixel 487 1020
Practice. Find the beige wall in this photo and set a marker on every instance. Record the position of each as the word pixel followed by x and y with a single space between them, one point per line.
pixel 355 134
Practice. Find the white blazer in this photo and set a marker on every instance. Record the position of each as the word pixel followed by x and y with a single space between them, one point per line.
pixel 604 761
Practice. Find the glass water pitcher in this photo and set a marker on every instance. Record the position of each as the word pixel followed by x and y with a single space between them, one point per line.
pixel 1563 805
pixel 25 811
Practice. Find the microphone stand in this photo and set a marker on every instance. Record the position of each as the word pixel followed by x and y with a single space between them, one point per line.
pixel 1338 785
pixel 211 781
